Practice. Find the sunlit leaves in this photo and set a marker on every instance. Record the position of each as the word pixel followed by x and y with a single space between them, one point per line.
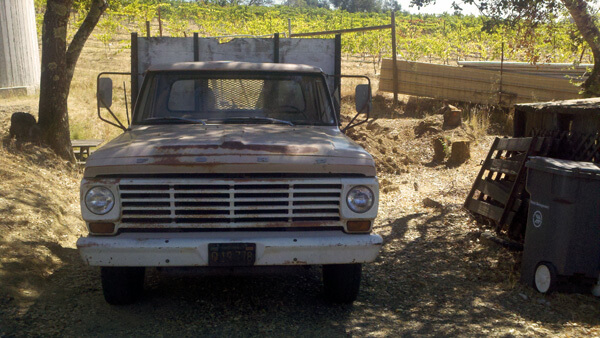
pixel 436 38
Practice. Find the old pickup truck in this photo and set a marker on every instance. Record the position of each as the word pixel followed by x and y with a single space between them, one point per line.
pixel 230 164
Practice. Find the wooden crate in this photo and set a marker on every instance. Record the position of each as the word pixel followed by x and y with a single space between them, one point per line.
pixel 572 146
pixel 573 125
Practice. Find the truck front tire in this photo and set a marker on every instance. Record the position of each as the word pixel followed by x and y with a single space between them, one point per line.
pixel 342 282
pixel 122 285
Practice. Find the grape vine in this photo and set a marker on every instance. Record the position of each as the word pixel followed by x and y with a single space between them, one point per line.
pixel 430 38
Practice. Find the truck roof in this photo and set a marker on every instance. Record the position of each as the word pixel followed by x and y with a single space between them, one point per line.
pixel 234 66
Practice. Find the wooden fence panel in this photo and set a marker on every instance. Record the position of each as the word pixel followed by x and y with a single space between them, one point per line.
pixel 557 70
pixel 473 85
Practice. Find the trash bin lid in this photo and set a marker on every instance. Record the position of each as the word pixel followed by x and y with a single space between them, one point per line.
pixel 564 167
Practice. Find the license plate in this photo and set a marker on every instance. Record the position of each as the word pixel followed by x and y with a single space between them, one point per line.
pixel 231 254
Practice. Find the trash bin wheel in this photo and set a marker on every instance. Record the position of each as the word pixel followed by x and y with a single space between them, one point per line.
pixel 545 277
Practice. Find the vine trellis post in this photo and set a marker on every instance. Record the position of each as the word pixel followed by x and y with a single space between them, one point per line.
pixel 391 26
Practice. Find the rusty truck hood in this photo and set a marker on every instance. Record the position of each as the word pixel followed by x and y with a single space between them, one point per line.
pixel 239 149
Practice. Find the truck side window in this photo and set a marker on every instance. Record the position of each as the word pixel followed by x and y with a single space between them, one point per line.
pixel 324 113
pixel 289 93
pixel 181 97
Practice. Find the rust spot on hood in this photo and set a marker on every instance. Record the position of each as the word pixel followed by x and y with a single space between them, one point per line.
pixel 105 181
pixel 178 160
pixel 237 145
pixel 296 262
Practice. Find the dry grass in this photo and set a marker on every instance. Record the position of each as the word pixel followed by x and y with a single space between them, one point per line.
pixel 39 204
pixel 479 122
pixel 83 116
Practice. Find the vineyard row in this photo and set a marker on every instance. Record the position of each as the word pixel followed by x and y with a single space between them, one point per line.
pixel 434 38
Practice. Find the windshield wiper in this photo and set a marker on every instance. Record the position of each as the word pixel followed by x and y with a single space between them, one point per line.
pixel 177 119
pixel 257 118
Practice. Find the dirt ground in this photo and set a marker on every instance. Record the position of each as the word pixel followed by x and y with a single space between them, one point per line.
pixel 434 276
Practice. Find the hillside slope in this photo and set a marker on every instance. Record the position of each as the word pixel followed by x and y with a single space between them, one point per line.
pixel 39 204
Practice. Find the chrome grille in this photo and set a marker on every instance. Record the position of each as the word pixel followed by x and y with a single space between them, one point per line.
pixel 228 203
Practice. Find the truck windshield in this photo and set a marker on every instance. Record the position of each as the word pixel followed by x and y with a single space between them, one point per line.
pixel 237 98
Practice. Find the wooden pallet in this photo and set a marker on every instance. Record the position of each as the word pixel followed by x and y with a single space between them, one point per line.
pixel 499 189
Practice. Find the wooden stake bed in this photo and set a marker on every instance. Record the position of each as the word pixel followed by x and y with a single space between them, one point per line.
pixel 499 189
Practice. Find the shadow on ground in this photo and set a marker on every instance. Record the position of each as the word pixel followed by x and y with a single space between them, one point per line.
pixel 427 280
pixel 448 284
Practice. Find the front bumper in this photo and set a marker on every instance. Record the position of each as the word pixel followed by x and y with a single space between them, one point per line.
pixel 191 249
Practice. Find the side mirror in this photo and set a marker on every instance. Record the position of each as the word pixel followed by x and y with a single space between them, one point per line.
pixel 104 94
pixel 362 97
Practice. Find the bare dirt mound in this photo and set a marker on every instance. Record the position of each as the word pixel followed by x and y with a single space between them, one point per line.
pixel 396 140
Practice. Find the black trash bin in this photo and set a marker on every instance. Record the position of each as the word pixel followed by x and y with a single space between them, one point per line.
pixel 562 239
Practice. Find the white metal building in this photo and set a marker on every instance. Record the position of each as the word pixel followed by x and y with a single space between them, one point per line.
pixel 19 50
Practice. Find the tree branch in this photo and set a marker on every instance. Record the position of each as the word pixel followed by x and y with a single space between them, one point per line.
pixel 585 23
pixel 579 11
pixel 93 16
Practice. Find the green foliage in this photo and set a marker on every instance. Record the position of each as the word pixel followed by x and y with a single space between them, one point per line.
pixel 40 5
pixel 108 28
pixel 437 38
pixel 357 5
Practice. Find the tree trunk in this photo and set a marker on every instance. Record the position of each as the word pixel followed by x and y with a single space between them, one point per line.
pixel 585 23
pixel 54 83
pixel 58 66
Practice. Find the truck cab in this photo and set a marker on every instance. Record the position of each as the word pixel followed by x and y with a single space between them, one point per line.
pixel 230 164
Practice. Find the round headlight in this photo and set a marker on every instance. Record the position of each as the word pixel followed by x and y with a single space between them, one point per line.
pixel 99 200
pixel 360 199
